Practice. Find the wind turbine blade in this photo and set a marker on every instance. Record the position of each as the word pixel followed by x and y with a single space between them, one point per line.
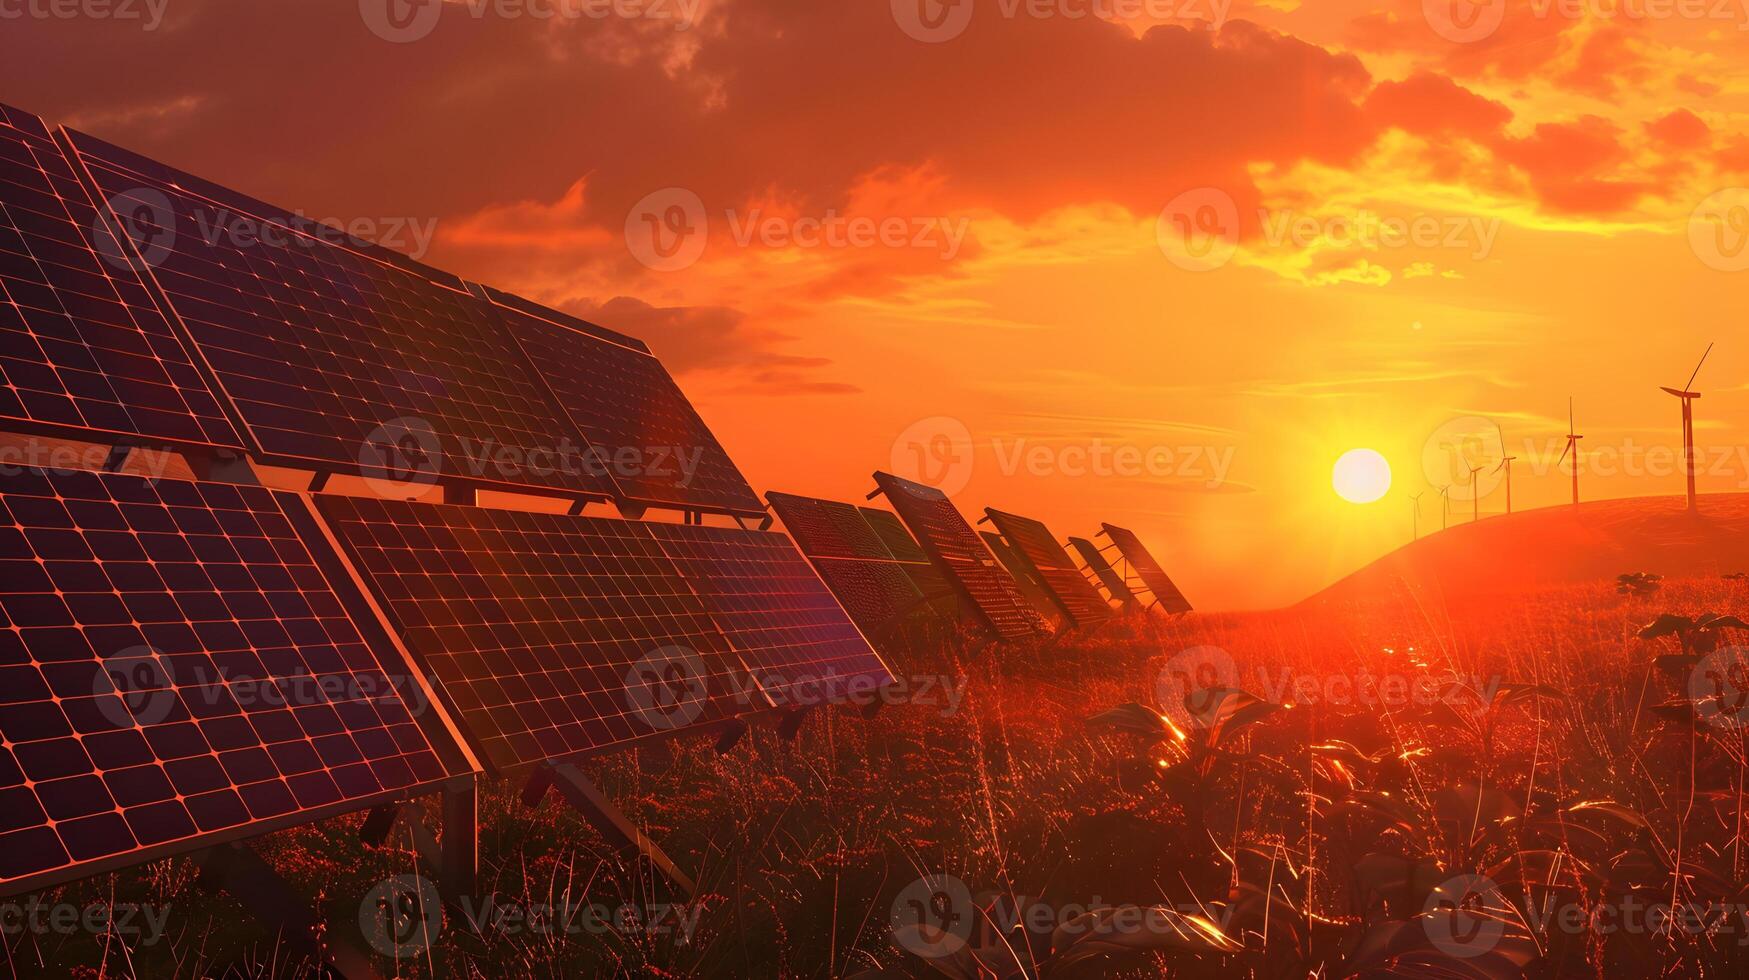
pixel 1696 374
pixel 1569 416
pixel 1565 451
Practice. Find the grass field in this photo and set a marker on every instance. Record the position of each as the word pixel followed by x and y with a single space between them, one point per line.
pixel 1328 838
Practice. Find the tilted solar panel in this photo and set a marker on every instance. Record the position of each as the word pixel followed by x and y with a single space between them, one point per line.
pixel 1147 569
pixel 922 572
pixel 961 556
pixel 84 350
pixel 1037 549
pixel 1108 576
pixel 647 435
pixel 176 670
pixel 340 355
pixel 875 588
pixel 552 635
pixel 1024 578
pixel 775 611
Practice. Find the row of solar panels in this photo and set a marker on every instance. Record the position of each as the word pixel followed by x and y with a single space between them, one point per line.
pixel 165 310
pixel 186 663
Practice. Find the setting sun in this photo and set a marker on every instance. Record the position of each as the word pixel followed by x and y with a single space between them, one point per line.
pixel 1361 476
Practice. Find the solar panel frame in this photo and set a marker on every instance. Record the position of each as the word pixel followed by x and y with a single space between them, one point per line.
pixel 338 355
pixel 777 614
pixel 1024 577
pixel 1037 550
pixel 256 696
pixel 591 601
pixel 961 556
pixel 851 556
pixel 1147 569
pixel 639 422
pixel 85 351
pixel 923 573
pixel 1102 570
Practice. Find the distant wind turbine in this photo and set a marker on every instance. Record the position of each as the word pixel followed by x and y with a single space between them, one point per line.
pixel 1415 500
pixel 1506 464
pixel 1445 506
pixel 1687 394
pixel 1475 495
pixel 1572 449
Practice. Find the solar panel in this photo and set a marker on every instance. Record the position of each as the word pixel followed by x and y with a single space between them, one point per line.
pixel 83 349
pixel 551 635
pixel 875 588
pixel 830 529
pixel 1147 569
pixel 656 447
pixel 1037 550
pixel 1108 576
pixel 961 556
pixel 1028 583
pixel 775 611
pixel 339 355
pixel 176 670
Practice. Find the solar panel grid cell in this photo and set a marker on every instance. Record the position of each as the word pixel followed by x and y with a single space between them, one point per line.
pixel 775 611
pixel 962 557
pixel 1037 597
pixel 1037 548
pixel 174 665
pixel 646 433
pixel 852 559
pixel 552 635
pixel 337 355
pixel 1147 569
pixel 82 344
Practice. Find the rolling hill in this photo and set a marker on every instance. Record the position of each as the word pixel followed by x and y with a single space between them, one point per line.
pixel 1552 546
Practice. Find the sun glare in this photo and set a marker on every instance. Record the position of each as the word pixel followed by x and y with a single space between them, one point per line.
pixel 1361 476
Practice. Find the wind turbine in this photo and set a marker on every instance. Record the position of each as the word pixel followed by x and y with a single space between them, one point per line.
pixel 1572 448
pixel 1415 499
pixel 1445 506
pixel 1475 495
pixel 1506 464
pixel 1687 394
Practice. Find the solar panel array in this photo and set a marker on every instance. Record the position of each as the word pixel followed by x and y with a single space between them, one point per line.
pixel 1147 569
pixel 340 355
pixel 1102 570
pixel 643 431
pixel 1036 548
pixel 176 668
pixel 962 557
pixel 875 587
pixel 1024 579
pixel 540 628
pixel 775 611
pixel 83 348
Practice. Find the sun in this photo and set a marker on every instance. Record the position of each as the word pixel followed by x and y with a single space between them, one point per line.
pixel 1361 476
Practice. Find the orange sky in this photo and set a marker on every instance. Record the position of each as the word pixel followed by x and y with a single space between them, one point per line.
pixel 1401 214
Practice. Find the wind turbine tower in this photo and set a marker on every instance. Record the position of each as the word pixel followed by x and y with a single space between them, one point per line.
pixel 1687 395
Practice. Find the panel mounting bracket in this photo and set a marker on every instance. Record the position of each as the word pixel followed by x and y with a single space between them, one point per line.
pixel 594 806
pixel 456 856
